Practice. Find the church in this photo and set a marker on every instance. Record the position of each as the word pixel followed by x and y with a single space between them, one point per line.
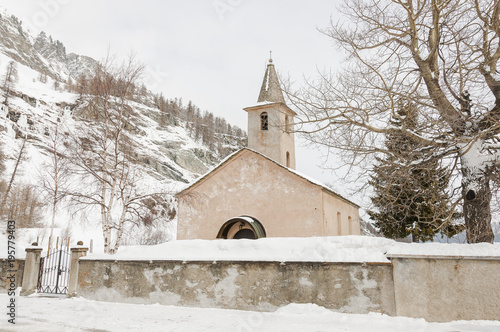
pixel 256 192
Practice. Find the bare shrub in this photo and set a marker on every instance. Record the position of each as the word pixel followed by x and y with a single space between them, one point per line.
pixel 24 205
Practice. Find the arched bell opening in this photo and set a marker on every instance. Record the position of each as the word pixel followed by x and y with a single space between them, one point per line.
pixel 243 227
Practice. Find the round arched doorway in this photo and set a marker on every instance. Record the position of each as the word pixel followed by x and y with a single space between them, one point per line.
pixel 243 227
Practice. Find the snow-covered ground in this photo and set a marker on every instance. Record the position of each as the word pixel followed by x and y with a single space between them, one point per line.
pixel 40 314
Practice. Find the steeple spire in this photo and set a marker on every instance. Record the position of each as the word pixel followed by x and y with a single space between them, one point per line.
pixel 271 89
pixel 270 122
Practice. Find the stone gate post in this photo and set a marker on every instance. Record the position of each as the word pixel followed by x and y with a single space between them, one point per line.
pixel 76 253
pixel 31 270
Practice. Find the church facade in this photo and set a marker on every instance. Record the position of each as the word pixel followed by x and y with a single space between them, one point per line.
pixel 256 192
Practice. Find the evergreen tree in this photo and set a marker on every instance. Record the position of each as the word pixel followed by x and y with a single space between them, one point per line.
pixel 410 186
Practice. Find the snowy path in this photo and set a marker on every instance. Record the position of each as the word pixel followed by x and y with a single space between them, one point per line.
pixel 55 314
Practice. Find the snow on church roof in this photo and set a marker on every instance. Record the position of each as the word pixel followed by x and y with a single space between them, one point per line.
pixel 261 103
pixel 231 156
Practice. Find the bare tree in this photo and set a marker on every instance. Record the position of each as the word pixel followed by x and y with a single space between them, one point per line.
pixel 24 205
pixel 19 159
pixel 69 85
pixel 82 85
pixel 2 159
pixel 56 174
pixel 440 55
pixel 57 85
pixel 10 79
pixel 104 154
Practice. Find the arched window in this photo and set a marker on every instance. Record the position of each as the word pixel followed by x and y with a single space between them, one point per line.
pixel 350 225
pixel 264 121
pixel 243 227
pixel 287 159
pixel 287 124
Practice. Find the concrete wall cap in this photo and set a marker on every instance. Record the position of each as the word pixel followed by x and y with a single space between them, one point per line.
pixel 404 256
pixel 227 262
pixel 33 248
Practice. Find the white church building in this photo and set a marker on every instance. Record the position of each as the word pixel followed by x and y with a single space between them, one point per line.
pixel 256 192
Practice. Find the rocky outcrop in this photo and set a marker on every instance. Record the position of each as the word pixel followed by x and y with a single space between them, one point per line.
pixel 72 64
pixel 78 65
pixel 187 159
pixel 164 169
pixel 51 50
pixel 18 44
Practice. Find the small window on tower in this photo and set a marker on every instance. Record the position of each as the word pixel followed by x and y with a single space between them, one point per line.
pixel 264 121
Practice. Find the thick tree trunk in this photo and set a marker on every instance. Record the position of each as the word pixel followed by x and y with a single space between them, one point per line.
pixel 476 193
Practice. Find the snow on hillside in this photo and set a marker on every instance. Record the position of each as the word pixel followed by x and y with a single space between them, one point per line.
pixel 167 156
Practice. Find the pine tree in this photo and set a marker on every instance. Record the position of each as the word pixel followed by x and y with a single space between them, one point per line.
pixel 410 187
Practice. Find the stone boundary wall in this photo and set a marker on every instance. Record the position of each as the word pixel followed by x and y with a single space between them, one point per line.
pixel 4 273
pixel 262 286
pixel 446 288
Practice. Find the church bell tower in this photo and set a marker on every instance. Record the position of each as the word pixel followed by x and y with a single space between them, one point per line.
pixel 270 122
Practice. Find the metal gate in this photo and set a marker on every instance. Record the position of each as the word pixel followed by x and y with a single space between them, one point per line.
pixel 53 276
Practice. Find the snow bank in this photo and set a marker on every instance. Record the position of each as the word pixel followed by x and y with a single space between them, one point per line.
pixel 303 309
pixel 356 249
pixel 316 249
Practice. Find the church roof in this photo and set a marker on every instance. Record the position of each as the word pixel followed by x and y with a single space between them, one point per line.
pixel 233 155
pixel 271 89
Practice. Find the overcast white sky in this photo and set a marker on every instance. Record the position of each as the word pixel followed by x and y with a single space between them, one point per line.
pixel 212 52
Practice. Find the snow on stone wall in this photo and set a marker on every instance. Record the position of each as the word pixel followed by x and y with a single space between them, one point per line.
pixel 357 249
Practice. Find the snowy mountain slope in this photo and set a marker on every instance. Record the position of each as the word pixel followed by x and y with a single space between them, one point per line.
pixel 167 156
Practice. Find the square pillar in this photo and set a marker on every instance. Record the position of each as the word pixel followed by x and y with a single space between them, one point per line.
pixel 76 253
pixel 31 270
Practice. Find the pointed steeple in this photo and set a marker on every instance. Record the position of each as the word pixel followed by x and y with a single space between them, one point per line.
pixel 271 89
pixel 270 122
